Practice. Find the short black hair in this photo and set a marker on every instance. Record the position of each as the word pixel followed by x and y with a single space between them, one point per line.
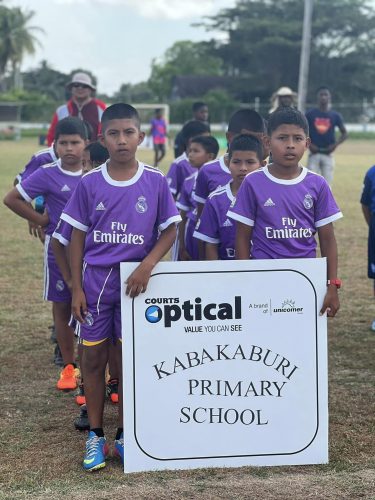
pixel 197 106
pixel 98 153
pixel 208 143
pixel 71 126
pixel 193 128
pixel 120 111
pixel 246 142
pixel 247 119
pixel 287 116
pixel 322 87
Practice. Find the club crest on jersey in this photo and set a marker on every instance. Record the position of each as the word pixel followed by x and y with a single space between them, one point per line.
pixel 141 205
pixel 308 202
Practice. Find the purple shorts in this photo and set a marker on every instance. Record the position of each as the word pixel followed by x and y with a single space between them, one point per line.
pixel 102 287
pixel 55 288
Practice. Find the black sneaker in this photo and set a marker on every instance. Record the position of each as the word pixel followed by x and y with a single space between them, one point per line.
pixel 112 390
pixel 81 423
pixel 57 357
pixel 53 337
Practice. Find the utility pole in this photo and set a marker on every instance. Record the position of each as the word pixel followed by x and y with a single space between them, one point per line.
pixel 305 55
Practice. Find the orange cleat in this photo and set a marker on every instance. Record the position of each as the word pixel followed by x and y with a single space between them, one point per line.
pixel 112 390
pixel 80 395
pixel 68 378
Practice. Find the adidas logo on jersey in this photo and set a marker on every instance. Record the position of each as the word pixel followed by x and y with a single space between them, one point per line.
pixel 100 206
pixel 65 188
pixel 269 203
pixel 227 223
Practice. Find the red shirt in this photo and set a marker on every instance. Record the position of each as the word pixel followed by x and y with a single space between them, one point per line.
pixel 90 112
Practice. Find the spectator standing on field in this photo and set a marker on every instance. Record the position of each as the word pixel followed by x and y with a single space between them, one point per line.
pixel 81 104
pixel 200 114
pixel 158 132
pixel 322 124
pixel 283 97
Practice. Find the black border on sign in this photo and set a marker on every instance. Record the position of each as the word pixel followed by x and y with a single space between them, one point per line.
pixel 229 456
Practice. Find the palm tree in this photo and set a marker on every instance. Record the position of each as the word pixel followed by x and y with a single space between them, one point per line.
pixel 16 38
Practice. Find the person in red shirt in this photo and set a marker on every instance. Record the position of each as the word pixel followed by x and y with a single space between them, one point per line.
pixel 82 104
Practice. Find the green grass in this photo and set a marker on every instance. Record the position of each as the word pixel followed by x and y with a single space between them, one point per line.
pixel 41 452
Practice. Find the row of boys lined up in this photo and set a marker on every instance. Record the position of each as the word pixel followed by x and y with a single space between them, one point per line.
pixel 123 210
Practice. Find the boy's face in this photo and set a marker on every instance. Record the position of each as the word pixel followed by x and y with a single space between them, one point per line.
pixel 242 163
pixel 197 155
pixel 122 137
pixel 259 135
pixel 288 144
pixel 324 96
pixel 69 147
pixel 201 114
pixel 86 164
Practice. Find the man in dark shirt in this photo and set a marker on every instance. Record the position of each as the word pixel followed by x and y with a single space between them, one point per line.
pixel 322 123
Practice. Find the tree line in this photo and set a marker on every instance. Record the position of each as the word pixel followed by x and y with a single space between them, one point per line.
pixel 257 51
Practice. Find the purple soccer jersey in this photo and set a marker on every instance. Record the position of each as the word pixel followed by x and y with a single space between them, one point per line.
pixel 186 203
pixel 40 158
pixel 214 226
pixel 177 173
pixel 63 232
pixel 55 184
pixel 285 214
pixel 185 200
pixel 212 175
pixel 122 219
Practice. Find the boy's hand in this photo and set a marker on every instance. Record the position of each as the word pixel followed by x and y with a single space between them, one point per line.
pixel 79 305
pixel 44 219
pixel 138 280
pixel 331 302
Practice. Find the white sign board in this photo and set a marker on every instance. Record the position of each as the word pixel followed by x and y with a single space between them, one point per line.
pixel 225 364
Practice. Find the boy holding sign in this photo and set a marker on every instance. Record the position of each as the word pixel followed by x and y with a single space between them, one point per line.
pixel 121 211
pixel 282 206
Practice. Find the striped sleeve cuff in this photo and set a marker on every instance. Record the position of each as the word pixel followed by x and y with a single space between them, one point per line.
pixel 204 237
pixel 328 220
pixel 74 223
pixel 240 218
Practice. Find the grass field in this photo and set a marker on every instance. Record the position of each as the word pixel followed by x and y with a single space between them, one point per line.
pixel 41 452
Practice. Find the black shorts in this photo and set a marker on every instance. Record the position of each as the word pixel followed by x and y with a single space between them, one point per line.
pixel 159 147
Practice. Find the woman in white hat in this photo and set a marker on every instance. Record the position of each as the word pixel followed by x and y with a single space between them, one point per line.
pixel 284 96
pixel 81 104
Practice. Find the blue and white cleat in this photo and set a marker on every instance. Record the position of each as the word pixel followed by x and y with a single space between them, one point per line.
pixel 119 447
pixel 96 452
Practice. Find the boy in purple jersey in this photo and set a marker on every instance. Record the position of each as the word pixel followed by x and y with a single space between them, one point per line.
pixel 56 183
pixel 214 228
pixel 37 160
pixel 201 150
pixel 121 211
pixel 282 206
pixel 216 173
pixel 181 167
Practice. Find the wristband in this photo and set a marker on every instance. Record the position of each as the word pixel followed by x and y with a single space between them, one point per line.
pixel 336 282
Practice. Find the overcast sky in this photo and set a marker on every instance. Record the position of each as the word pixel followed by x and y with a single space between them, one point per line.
pixel 115 39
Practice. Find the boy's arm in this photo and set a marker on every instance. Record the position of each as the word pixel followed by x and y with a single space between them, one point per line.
pixel 328 249
pixel 243 237
pixel 60 253
pixel 138 280
pixel 211 251
pixel 79 306
pixel 19 206
pixel 366 213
